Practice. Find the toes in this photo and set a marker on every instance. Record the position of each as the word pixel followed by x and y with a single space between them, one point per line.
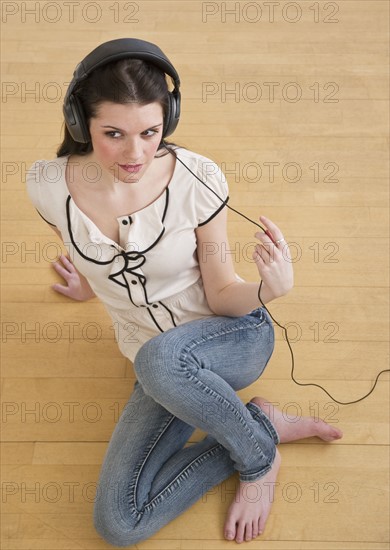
pixel 338 434
pixel 263 520
pixel 230 530
pixel 248 532
pixel 255 529
pixel 230 534
pixel 240 531
pixel 327 432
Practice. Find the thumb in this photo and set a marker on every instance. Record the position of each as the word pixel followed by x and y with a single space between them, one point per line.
pixel 61 289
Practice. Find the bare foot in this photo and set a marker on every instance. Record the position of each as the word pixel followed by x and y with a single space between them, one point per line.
pixel 249 511
pixel 298 427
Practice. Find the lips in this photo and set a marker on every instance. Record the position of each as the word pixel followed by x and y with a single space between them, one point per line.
pixel 131 168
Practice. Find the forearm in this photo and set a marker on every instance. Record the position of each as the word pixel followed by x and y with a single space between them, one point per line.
pixel 241 298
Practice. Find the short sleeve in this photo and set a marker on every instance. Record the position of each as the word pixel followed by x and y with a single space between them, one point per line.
pixel 36 184
pixel 213 194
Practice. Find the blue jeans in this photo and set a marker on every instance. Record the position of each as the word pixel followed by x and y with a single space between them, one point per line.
pixel 187 378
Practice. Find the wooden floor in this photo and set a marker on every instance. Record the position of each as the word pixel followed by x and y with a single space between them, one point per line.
pixel 64 381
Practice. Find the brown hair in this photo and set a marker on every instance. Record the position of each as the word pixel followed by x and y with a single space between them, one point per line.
pixel 123 81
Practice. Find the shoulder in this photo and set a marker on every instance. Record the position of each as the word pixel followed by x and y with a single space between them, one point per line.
pixel 204 169
pixel 45 186
pixel 210 191
pixel 195 160
pixel 45 172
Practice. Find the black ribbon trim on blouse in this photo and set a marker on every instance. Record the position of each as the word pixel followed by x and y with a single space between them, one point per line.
pixel 215 213
pixel 154 320
pixel 134 256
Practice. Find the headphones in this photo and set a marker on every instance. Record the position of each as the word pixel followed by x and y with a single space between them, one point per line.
pixel 114 50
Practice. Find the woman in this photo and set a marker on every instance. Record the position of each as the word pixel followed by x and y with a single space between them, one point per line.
pixel 147 237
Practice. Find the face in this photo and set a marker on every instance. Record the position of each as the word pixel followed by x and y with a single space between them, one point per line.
pixel 125 138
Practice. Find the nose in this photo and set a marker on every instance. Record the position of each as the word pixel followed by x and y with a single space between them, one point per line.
pixel 133 150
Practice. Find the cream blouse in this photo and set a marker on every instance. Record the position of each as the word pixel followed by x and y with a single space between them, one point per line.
pixel 151 281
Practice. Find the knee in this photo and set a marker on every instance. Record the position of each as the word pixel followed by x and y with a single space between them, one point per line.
pixel 118 538
pixel 157 359
pixel 114 529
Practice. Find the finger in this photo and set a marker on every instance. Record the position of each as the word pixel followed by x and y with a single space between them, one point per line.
pixel 263 235
pixel 268 232
pixel 274 231
pixel 64 273
pixel 265 240
pixel 61 289
pixel 269 223
pixel 258 259
pixel 67 263
pixel 261 256
pixel 267 245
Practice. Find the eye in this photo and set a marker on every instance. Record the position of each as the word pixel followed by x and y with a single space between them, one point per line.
pixel 110 133
pixel 150 132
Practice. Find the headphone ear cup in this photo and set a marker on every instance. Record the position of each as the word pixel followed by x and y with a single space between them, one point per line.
pixel 75 120
pixel 173 113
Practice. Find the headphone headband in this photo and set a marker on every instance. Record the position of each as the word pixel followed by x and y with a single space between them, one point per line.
pixel 107 52
pixel 122 48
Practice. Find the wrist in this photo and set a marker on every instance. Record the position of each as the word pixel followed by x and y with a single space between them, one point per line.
pixel 88 295
pixel 267 294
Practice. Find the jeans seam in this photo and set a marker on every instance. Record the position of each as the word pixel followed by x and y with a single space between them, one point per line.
pixel 222 332
pixel 138 471
pixel 262 417
pixel 184 473
pixel 261 473
pixel 222 399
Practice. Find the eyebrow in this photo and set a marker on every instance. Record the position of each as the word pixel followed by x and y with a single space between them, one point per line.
pixel 120 130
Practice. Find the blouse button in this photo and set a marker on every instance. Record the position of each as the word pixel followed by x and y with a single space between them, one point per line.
pixel 155 305
pixel 125 222
pixel 133 282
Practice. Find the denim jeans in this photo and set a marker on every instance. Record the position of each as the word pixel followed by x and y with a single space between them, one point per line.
pixel 186 378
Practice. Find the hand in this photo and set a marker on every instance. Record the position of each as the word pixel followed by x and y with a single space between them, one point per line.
pixel 77 286
pixel 273 260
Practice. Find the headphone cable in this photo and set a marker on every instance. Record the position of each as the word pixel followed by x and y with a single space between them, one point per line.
pixel 293 362
pixel 267 310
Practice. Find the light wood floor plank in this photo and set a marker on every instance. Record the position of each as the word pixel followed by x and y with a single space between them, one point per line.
pixel 317 481
pixel 86 410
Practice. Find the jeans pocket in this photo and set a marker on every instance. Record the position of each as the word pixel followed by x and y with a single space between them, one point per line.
pixel 258 316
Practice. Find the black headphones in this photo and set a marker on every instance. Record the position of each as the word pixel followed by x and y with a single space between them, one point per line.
pixel 111 51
